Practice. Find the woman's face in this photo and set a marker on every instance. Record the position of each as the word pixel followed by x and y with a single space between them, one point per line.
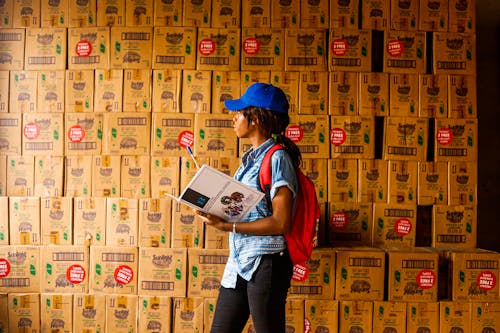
pixel 241 126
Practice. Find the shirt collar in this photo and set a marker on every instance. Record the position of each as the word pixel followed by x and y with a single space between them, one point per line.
pixel 256 154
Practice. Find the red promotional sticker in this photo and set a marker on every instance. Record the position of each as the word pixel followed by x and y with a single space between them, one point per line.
pixel 337 136
pixel 300 273
pixel 339 47
pixel 294 133
pixel 339 220
pixel 395 48
pixel 307 326
pixel 4 267
pixel 76 133
pixel 426 279
pixel 31 131
pixel 83 48
pixel 206 47
pixel 75 274
pixel 402 226
pixel 124 274
pixel 444 136
pixel 185 139
pixel 486 280
pixel 251 45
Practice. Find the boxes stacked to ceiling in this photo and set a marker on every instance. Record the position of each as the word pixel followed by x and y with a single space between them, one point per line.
pixel 99 98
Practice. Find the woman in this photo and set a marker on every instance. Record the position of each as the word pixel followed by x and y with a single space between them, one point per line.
pixel 258 272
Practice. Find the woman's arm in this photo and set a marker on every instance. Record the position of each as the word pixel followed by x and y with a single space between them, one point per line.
pixel 277 224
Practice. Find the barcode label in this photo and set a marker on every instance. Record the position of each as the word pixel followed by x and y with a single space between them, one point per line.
pixel 169 122
pixel 395 212
pixel 41 60
pixel 404 151
pixel 454 239
pixel 302 61
pixel 68 256
pixel 39 146
pixel 82 145
pixel 172 60
pixel 85 60
pixel 136 35
pixel 212 259
pixel 348 149
pixel 346 62
pixel 309 149
pixel 401 63
pixel 9 122
pixel 481 264
pixel 219 123
pixel 141 121
pixel 452 152
pixel 420 264
pixel 365 262
pixel 457 65
pixel 10 36
pixel 157 285
pixel 15 282
pixel 118 257
pixel 214 61
pixel 306 290
pixel 259 61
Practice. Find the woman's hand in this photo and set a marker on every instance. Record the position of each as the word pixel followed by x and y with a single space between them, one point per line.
pixel 214 221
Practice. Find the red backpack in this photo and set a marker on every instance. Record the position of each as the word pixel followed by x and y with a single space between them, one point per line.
pixel 303 235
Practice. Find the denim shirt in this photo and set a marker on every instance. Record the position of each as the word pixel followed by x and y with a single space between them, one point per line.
pixel 245 251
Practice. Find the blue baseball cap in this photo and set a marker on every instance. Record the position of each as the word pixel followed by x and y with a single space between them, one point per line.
pixel 262 95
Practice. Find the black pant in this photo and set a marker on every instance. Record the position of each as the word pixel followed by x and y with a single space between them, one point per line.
pixel 264 297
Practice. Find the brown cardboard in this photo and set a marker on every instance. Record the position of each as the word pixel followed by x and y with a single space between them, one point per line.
pixel 131 47
pixel 404 15
pixel 350 50
pixel 54 14
pixel 215 135
pixel 4 224
pixel 24 220
pixel 187 227
pixel 402 182
pixel 226 14
pixel 196 14
pixel 433 15
pixel 404 95
pixel 375 14
pixel 344 14
pixel 289 83
pixel 24 312
pixel 319 282
pixel 250 77
pixel 6 12
pixel 187 314
pixel 423 316
pixel 155 222
pixel 113 270
pixel 485 316
pixel 122 222
pixel 78 175
pixel 355 316
pixel 188 169
pixel 56 216
pixel 316 170
pixel 4 307
pixel 162 271
pixel 170 130
pixel 82 14
pixel 168 13
pixel 405 138
pixel 121 313
pixel 196 91
pixel 10 133
pixel 205 269
pixel 344 94
pixel 22 92
pixel 352 137
pixel 89 312
pixel 209 306
pixel 20 269
pixel 394 225
pixel 454 53
pixel 294 314
pixel 47 49
pixel 350 224
pixel 111 13
pixel 132 133
pixel 305 49
pixel 108 90
pixel 89 221
pixel 12 48
pixel 262 48
pixel 310 134
pixel 43 133
pixel 462 183
pixel 26 14
pixel 314 14
pixel 79 91
pixel 165 173
pixel 313 93
pixel 155 313
pixel 135 176
pixel 432 183
pixel 65 269
pixel 83 133
pixel 88 48
pixel 455 316
pixel 342 180
pixel 462 16
pixel 455 140
pixel 372 180
pixel 139 13
pixel 20 175
pixel 225 85
pixel 50 91
pixel 4 86
pixel 389 315
pixel 285 14
pixel 218 49
pixel 106 176
pixel 462 96
pixel 216 239
pixel 321 314
pixel 256 14
pixel 360 273
pixel 174 48
pixel 454 226
pixel 433 96
pixel 404 52
pixel 137 90
pixel 3 175
pixel 412 275
pixel 166 88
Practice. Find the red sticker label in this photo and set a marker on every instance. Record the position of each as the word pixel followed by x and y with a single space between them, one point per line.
pixel 339 47
pixel 206 47
pixel 4 267
pixel 337 136
pixel 486 280
pixel 251 45
pixel 426 279
pixel 124 274
pixel 31 131
pixel 402 226
pixel 294 133
pixel 83 48
pixel 307 326
pixel 395 48
pixel 300 272
pixel 185 139
pixel 444 136
pixel 76 133
pixel 339 220
pixel 75 274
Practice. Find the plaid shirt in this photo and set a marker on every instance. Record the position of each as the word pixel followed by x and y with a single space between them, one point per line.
pixel 246 250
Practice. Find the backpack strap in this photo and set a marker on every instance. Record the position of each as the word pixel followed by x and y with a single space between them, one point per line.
pixel 265 178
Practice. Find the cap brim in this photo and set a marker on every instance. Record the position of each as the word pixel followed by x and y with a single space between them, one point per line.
pixel 235 105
